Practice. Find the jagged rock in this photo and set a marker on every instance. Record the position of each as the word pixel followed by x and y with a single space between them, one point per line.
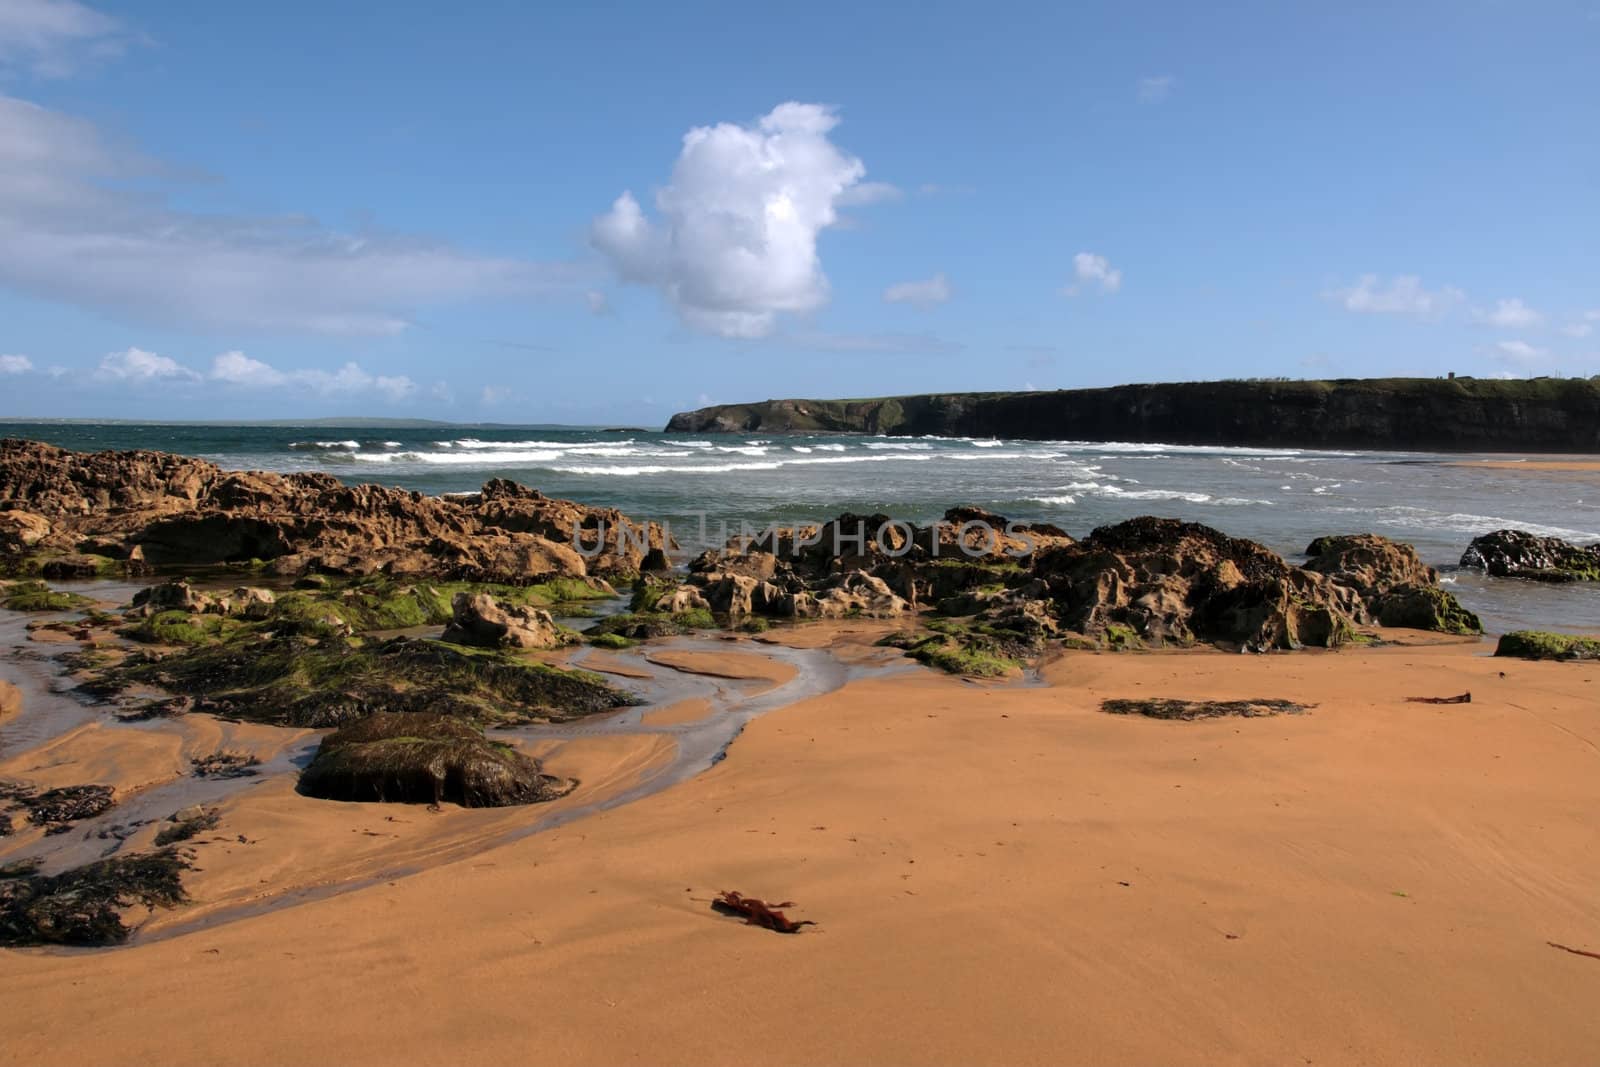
pixel 175 510
pixel 1171 582
pixel 739 594
pixel 681 598
pixel 482 621
pixel 176 595
pixel 1368 563
pixel 1519 554
pixel 860 594
pixel 21 530
pixel 252 603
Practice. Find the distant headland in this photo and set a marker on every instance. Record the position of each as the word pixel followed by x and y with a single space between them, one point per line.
pixel 1436 414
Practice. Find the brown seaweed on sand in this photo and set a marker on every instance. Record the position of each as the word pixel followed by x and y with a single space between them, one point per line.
pixel 1464 698
pixel 1188 710
pixel 757 912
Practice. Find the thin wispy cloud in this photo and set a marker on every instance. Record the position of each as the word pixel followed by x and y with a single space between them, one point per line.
pixel 71 235
pixel 1093 271
pixel 1403 295
pixel 1154 89
pixel 52 38
pixel 1519 351
pixel 733 241
pixel 15 364
pixel 1510 314
pixel 922 294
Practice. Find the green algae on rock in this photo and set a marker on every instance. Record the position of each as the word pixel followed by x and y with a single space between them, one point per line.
pixel 1538 644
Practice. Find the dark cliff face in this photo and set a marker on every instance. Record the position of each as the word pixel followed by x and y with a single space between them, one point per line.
pixel 1539 415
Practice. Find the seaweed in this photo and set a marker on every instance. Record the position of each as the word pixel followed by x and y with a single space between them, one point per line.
pixel 1189 710
pixel 84 906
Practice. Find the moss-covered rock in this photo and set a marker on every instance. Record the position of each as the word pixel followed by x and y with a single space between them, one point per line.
pixel 1520 554
pixel 1537 644
pixel 37 596
pixel 425 759
pixel 1424 607
pixel 298 680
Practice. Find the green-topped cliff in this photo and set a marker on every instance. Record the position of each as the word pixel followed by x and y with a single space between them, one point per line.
pixel 1467 414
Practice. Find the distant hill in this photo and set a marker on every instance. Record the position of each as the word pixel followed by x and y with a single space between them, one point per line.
pixel 1442 414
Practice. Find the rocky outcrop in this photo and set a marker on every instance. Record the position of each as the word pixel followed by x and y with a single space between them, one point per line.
pixel 1519 554
pixel 417 758
pixel 85 511
pixel 1144 582
pixel 482 621
pixel 1167 582
pixel 1542 414
pixel 1395 586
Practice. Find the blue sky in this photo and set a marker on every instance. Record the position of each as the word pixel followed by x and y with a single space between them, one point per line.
pixel 414 209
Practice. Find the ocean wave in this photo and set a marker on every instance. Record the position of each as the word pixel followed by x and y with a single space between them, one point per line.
pixel 458 459
pixel 1463 522
pixel 344 446
pixel 900 446
pixel 830 448
pixel 474 443
pixel 1054 499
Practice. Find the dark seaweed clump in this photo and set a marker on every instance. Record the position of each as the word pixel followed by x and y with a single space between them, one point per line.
pixel 84 906
pixel 1188 710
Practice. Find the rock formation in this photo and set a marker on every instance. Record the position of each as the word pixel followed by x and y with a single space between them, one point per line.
pixel 480 620
pixel 78 514
pixel 1519 554
pixel 1146 581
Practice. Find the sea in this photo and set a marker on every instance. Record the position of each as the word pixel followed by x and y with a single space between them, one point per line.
pixel 707 486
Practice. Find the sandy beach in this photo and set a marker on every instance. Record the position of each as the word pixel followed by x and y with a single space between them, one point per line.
pixel 1000 873
pixel 1565 465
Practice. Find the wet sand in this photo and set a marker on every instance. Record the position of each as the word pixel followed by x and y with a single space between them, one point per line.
pixel 1541 466
pixel 1001 874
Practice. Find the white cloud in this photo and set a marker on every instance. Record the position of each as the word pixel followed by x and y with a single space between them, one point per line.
pixel 735 241
pixel 72 233
pixel 50 36
pixel 15 364
pixel 1510 314
pixel 925 294
pixel 1578 329
pixel 1404 295
pixel 136 366
pixel 864 193
pixel 494 394
pixel 1089 268
pixel 597 303
pixel 1519 351
pixel 238 369
pixel 1155 89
